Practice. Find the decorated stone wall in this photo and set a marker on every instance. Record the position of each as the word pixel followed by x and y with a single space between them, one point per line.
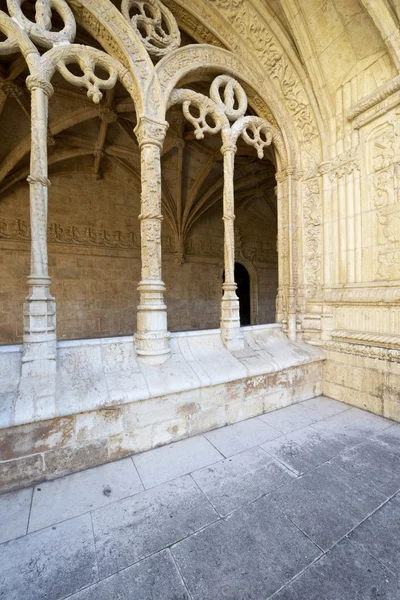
pixel 94 260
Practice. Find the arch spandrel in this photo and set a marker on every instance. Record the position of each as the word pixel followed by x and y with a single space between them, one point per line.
pixel 244 31
pixel 108 26
pixel 191 63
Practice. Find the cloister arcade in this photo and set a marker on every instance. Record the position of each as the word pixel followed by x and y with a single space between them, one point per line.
pixel 149 151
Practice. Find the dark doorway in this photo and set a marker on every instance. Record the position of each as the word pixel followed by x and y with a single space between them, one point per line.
pixel 243 291
pixel 242 280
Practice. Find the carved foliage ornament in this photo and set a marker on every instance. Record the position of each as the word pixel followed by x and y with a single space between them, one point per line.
pixel 40 31
pixel 154 24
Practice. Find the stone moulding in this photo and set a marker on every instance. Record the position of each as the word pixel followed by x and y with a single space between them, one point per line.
pixel 381 340
pixel 380 94
pixel 375 104
pixel 365 351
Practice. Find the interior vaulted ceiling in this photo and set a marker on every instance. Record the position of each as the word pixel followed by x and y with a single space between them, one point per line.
pixel 103 139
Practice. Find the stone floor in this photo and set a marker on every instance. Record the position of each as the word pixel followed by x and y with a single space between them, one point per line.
pixel 299 504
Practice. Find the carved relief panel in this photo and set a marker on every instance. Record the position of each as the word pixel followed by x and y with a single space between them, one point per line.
pixel 384 200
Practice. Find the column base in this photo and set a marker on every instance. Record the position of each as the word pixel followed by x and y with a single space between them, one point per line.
pixel 39 342
pixel 231 334
pixel 152 336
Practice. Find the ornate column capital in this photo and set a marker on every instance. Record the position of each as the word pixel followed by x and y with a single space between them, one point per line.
pixel 229 146
pixel 34 82
pixel 150 131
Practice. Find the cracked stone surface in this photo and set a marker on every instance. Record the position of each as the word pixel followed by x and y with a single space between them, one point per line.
pixel 306 506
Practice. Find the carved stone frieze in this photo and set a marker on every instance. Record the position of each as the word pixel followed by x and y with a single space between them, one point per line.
pixel 76 235
pixel 388 354
pixel 342 164
pixel 384 170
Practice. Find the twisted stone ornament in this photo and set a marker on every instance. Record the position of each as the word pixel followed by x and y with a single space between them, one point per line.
pixel 40 30
pixel 155 25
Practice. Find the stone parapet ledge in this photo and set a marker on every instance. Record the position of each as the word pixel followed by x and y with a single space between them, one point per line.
pixel 107 405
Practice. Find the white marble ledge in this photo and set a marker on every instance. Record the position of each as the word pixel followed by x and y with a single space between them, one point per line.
pixel 97 373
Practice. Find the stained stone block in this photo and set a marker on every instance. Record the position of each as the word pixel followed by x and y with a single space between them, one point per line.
pixel 304 449
pixel 241 436
pixel 133 528
pixel 63 461
pixel 75 494
pixel 155 578
pixel 250 554
pixel 14 514
pixel 49 564
pixel 327 503
pixel 167 463
pixel 20 472
pixel 347 572
pixel 235 481
pixel 34 438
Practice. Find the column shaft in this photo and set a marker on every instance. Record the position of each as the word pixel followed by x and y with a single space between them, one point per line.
pixel 230 313
pixel 39 352
pixel 152 337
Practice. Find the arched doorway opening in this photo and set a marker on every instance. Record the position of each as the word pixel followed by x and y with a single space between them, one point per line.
pixel 243 291
pixel 242 279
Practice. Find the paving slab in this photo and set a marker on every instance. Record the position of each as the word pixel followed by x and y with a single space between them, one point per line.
pixel 69 496
pixel 172 461
pixel 241 436
pixel 133 528
pixel 391 438
pixel 347 572
pixel 249 555
pixel 352 426
pixel 288 419
pixel 235 481
pixel 380 535
pixel 374 464
pixel 304 449
pixel 14 514
pixel 49 564
pixel 322 407
pixel 154 578
pixel 327 503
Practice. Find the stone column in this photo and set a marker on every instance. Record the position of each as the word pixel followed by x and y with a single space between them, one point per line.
pixel 152 337
pixel 292 292
pixel 39 341
pixel 230 314
pixel 287 293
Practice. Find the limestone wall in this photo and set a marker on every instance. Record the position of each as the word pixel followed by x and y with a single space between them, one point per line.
pixel 94 260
